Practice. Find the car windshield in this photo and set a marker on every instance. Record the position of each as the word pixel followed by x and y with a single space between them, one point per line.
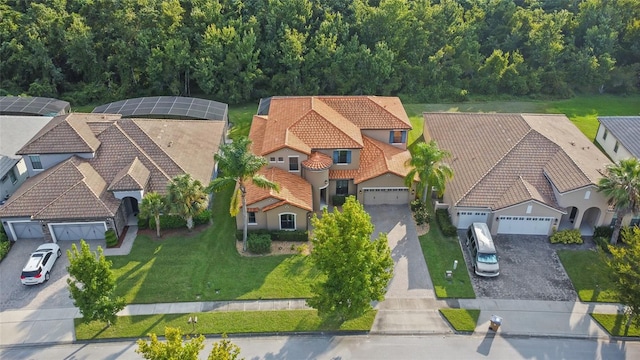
pixel 487 258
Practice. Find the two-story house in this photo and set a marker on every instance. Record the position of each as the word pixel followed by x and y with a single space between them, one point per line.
pixel 89 172
pixel 322 148
pixel 520 173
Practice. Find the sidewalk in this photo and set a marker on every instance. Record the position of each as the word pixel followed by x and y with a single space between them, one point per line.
pixel 395 316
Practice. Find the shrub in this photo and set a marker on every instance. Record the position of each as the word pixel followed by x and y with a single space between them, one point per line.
pixel 259 244
pixel 602 243
pixel 143 223
pixel 168 222
pixel 111 238
pixel 444 222
pixel 421 215
pixel 4 248
pixel 603 231
pixel 566 237
pixel 202 218
pixel 3 235
pixel 416 204
pixel 283 235
pixel 338 200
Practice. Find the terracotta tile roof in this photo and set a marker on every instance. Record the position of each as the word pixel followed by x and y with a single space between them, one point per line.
pixel 322 122
pixel 318 161
pixel 378 158
pixel 343 174
pixel 294 190
pixel 134 177
pixel 500 160
pixel 65 134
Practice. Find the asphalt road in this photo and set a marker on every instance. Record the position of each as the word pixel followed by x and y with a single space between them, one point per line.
pixel 362 347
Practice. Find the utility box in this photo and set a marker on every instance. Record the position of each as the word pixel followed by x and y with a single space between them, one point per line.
pixel 495 322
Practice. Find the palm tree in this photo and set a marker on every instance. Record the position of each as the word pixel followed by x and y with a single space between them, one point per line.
pixel 186 198
pixel 237 167
pixel 153 204
pixel 426 162
pixel 621 185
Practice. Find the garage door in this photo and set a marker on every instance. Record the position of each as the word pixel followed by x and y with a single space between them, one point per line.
pixel 26 229
pixel 386 196
pixel 466 218
pixel 524 225
pixel 86 231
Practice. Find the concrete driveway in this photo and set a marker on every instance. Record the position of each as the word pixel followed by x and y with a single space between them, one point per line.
pixel 529 270
pixel 48 295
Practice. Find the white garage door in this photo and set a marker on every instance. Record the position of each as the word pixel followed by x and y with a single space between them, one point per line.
pixel 77 231
pixel 524 225
pixel 26 229
pixel 466 218
pixel 386 196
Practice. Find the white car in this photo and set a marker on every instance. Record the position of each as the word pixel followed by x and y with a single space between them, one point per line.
pixel 38 268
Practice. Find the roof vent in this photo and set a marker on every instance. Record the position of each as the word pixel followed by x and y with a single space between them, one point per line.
pixel 572 143
pixel 170 143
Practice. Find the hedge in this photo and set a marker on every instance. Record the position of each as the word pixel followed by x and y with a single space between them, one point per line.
pixel 277 235
pixel 338 200
pixel 176 222
pixel 111 238
pixel 259 244
pixel 444 222
pixel 571 236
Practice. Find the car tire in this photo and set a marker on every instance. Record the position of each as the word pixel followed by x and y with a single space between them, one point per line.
pixel 59 253
pixel 47 276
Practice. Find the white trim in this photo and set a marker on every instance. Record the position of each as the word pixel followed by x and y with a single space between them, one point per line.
pixel 13 232
pixel 386 188
pixel 289 163
pixel 529 201
pixel 295 226
pixel 254 217
pixel 53 233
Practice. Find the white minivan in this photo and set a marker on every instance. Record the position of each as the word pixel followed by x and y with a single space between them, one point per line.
pixel 483 251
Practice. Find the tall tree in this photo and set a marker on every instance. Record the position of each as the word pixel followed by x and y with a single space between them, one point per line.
pixel 153 204
pixel 625 271
pixel 186 197
pixel 238 165
pixel 427 162
pixel 92 284
pixel 357 269
pixel 621 185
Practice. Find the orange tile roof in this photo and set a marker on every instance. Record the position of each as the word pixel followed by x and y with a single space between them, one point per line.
pixel 318 161
pixel 294 190
pixel 378 158
pixel 500 160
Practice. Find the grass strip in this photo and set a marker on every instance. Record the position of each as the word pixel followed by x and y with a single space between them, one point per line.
pixel 232 322
pixel 589 275
pixel 439 253
pixel 615 325
pixel 462 319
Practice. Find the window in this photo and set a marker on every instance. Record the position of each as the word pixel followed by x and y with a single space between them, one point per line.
pixel 36 164
pixel 280 159
pixel 604 136
pixel 587 195
pixel 529 209
pixel 293 163
pixel 287 221
pixel 272 159
pixel 615 148
pixel 397 137
pixel 342 187
pixel 252 217
pixel 12 176
pixel 342 157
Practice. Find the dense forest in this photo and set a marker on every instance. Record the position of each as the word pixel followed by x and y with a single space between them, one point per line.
pixel 236 50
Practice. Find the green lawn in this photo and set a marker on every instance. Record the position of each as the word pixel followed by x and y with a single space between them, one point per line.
pixel 206 266
pixel 589 275
pixel 239 322
pixel 462 319
pixel 616 325
pixel 240 116
pixel 439 253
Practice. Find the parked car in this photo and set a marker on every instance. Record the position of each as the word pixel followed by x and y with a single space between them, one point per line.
pixel 483 251
pixel 38 268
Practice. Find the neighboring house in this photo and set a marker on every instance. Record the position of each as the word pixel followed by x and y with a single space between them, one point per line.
pixel 520 174
pixel 321 148
pixel 89 172
pixel 619 136
pixel 20 119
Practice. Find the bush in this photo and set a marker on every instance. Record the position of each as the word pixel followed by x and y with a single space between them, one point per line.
pixel 338 200
pixel 603 231
pixel 143 223
pixel 259 244
pixel 168 222
pixel 4 248
pixel 566 237
pixel 420 212
pixel 603 243
pixel 203 218
pixel 111 238
pixel 3 235
pixel 444 222
pixel 416 204
pixel 277 235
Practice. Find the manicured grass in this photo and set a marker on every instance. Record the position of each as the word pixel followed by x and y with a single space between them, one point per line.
pixel 240 117
pixel 206 266
pixel 462 319
pixel 439 253
pixel 589 275
pixel 220 322
pixel 616 325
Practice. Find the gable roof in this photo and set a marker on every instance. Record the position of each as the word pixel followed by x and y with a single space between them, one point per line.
pixel 500 160
pixel 323 122
pixel 294 190
pixel 626 129
pixel 132 155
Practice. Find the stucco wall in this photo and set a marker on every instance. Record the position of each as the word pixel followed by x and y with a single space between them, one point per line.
pixel 385 180
pixel 383 136
pixel 609 143
pixel 537 210
pixel 285 154
pixel 50 160
pixel 584 199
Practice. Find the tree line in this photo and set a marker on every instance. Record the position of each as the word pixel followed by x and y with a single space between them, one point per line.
pixel 239 50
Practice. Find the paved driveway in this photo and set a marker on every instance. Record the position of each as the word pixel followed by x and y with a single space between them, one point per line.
pixel 529 270
pixel 48 295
